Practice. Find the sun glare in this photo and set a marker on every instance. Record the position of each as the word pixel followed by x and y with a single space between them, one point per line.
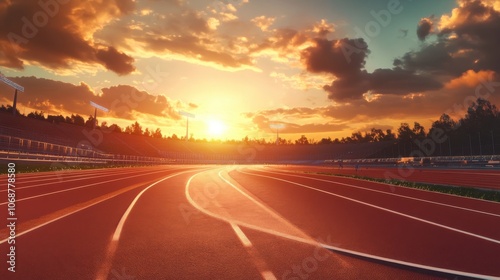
pixel 215 128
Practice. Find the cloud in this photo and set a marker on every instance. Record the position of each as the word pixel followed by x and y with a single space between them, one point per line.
pixel 464 42
pixel 263 22
pixel 471 79
pixel 115 61
pixel 126 102
pixel 263 123
pixel 424 28
pixel 57 36
pixel 342 58
pixel 401 81
pixel 345 59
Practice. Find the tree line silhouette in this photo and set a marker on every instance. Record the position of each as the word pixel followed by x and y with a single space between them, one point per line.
pixel 476 133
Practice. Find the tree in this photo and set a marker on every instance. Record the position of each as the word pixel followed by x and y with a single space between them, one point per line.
pixel 281 141
pixel 325 141
pixel 405 133
pixel 135 129
pixel 418 131
pixel 389 135
pixel 377 135
pixel 37 115
pixel 445 124
pixel 302 140
pixel 115 128
pixel 157 133
pixel 356 137
pixel 481 116
pixel 91 122
pixel 56 119
pixel 78 120
pixel 9 109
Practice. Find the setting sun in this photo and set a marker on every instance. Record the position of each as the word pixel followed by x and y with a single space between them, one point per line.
pixel 215 127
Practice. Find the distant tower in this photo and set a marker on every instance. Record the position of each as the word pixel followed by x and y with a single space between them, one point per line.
pixel 188 116
pixel 277 126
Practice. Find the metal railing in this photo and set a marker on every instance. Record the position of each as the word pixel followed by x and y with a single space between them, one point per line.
pixel 16 148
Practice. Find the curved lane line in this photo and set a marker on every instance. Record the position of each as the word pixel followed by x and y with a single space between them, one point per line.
pixel 328 246
pixel 378 191
pixel 103 272
pixel 381 208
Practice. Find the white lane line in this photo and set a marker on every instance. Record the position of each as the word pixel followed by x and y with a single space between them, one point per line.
pixel 103 272
pixel 382 208
pixel 383 192
pixel 243 238
pixel 328 246
pixel 257 259
pixel 84 186
pixel 55 181
pixel 411 264
pixel 268 275
pixel 271 212
pixel 58 218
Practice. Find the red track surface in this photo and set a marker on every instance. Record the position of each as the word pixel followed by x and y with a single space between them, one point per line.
pixel 213 222
pixel 479 178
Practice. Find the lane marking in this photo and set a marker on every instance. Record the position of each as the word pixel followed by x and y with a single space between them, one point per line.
pixel 262 206
pixel 60 214
pixel 243 238
pixel 327 246
pixel 53 180
pixel 381 208
pixel 84 186
pixel 74 180
pixel 106 266
pixel 387 193
pixel 257 259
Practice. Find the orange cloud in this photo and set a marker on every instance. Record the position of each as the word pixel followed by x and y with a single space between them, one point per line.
pixel 470 79
pixel 57 34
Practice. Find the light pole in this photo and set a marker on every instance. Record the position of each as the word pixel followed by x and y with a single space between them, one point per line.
pixel 16 87
pixel 277 126
pixel 188 116
pixel 97 106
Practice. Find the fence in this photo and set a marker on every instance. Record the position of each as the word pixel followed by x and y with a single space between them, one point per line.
pixel 16 148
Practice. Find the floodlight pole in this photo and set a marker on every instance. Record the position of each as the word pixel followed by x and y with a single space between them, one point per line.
pixel 97 106
pixel 14 105
pixel 187 128
pixel 95 117
pixel 187 115
pixel 16 87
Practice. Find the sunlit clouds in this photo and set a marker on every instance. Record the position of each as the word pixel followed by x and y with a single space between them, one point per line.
pixel 250 63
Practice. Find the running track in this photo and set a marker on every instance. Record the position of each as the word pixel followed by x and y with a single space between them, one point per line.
pixel 243 222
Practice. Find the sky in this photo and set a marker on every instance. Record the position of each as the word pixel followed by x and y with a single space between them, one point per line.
pixel 320 68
